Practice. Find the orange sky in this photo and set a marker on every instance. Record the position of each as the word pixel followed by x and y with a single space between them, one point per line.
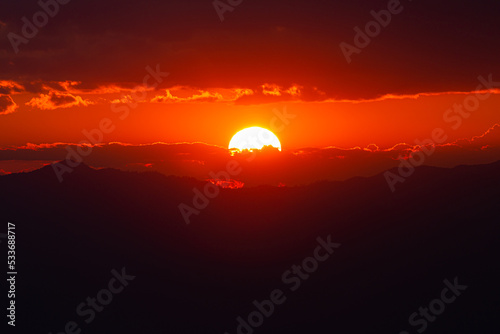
pixel 385 122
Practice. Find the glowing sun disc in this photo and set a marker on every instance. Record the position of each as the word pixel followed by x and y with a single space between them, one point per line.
pixel 254 138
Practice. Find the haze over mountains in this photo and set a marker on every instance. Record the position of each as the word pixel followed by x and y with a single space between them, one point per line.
pixel 290 167
pixel 396 250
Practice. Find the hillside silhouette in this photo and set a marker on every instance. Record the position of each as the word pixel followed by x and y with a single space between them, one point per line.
pixel 396 250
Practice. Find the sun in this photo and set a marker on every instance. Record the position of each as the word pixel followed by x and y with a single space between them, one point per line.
pixel 254 138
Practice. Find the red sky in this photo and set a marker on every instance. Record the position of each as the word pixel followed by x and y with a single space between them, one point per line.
pixel 264 59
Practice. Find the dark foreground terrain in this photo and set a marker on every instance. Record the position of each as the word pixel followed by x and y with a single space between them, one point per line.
pixel 396 251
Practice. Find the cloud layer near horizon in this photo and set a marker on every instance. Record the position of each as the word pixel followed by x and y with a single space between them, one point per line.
pixel 292 167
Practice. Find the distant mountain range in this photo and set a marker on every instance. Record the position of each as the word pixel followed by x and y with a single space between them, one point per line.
pixel 396 252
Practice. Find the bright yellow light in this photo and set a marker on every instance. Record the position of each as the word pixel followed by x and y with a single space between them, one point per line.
pixel 254 138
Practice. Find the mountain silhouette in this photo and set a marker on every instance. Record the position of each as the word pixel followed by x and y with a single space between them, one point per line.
pixel 396 250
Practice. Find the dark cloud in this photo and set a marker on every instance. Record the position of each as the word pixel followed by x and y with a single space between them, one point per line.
pixel 10 87
pixel 54 100
pixel 428 47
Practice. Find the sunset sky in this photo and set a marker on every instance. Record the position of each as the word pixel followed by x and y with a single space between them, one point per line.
pixel 277 65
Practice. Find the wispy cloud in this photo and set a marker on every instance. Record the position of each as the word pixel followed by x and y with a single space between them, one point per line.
pixel 54 100
pixel 7 105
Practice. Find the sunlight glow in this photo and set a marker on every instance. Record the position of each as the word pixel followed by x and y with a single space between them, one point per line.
pixel 254 138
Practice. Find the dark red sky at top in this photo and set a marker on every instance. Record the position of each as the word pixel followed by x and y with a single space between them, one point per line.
pixel 429 47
